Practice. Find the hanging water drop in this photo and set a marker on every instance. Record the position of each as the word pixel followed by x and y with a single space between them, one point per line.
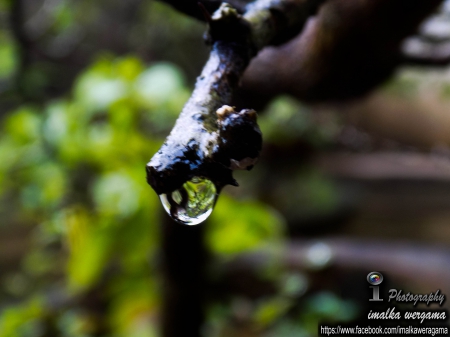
pixel 192 203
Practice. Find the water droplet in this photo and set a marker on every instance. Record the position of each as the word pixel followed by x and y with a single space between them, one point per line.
pixel 192 203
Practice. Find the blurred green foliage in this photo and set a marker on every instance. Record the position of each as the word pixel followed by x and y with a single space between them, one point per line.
pixel 280 315
pixel 73 170
pixel 285 121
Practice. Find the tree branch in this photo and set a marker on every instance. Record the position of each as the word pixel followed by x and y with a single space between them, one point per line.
pixel 401 261
pixel 191 7
pixel 346 50
pixel 419 52
pixel 210 139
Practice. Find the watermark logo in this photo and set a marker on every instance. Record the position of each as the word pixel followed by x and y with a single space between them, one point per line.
pixel 410 319
pixel 397 295
pixel 375 278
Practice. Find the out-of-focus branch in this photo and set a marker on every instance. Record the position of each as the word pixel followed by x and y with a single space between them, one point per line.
pixel 183 257
pixel 23 44
pixel 419 52
pixel 402 262
pixel 61 50
pixel 347 49
pixel 17 25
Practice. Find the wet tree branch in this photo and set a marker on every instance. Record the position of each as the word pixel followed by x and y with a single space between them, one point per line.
pixel 210 139
pixel 191 8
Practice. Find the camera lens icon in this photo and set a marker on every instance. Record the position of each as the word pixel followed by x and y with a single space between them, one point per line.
pixel 375 278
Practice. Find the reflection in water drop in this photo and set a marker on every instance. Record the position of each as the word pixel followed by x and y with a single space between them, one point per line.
pixel 192 203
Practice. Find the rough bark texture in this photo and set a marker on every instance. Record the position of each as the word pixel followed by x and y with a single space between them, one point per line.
pixel 204 142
